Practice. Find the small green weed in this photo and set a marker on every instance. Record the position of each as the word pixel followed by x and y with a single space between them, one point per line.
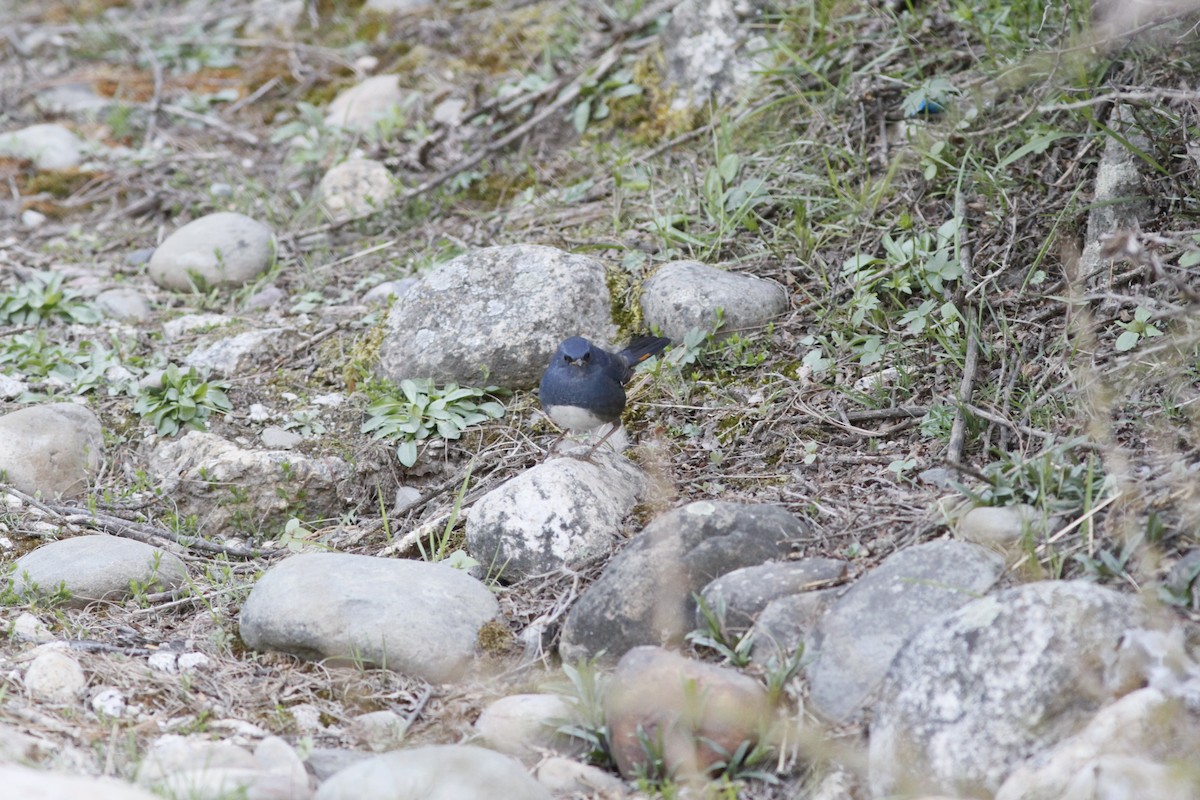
pixel 585 695
pixel 1138 328
pixel 1059 480
pixel 43 297
pixel 182 400
pixel 424 410
pixel 717 636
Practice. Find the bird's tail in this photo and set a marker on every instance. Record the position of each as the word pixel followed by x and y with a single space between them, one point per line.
pixel 643 347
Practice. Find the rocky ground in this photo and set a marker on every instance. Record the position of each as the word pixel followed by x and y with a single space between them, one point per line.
pixel 905 510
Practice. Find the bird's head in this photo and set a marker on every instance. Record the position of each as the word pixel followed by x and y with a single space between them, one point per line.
pixel 576 351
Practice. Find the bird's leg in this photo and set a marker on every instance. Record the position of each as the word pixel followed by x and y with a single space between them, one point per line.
pixel 616 426
pixel 554 444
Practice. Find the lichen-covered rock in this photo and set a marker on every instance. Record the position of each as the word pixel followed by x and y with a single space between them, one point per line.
pixel 1001 679
pixel 560 513
pixel 645 594
pixel 231 489
pixel 496 314
pixel 857 638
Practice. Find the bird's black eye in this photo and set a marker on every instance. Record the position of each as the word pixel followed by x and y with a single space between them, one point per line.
pixel 587 356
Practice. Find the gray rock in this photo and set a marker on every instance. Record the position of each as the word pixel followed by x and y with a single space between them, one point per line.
pixel 278 438
pixel 699 712
pixel 708 54
pixel 71 98
pixel 95 567
pixel 270 295
pixel 561 513
pixel 222 249
pixel 365 104
pixel 356 188
pixel 273 18
pixel 124 303
pixel 413 617
pixel 745 592
pixel 395 6
pixel 48 146
pixel 1119 200
pixel 32 784
pixel 236 355
pixel 385 290
pixel 179 327
pixel 17 746
pixel 1001 679
pixel 379 730
pixel 683 295
pixel 786 624
pixel 526 726
pixel 54 449
pixel 28 628
pixel 1119 777
pixel 229 488
pixel 1145 724
pixel 11 388
pixel 204 770
pixel 33 219
pixel 565 777
pixel 860 634
pixel 54 677
pixel 435 772
pixel 500 311
pixel 1004 525
pixel 325 762
pixel 644 595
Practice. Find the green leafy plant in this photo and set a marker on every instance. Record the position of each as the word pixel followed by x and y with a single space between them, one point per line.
pixel 181 400
pixel 596 95
pixel 716 634
pixel 1063 479
pixel 585 694
pixel 43 297
pixel 1138 328
pixel 423 409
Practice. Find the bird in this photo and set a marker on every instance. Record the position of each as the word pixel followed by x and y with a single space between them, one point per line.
pixel 583 386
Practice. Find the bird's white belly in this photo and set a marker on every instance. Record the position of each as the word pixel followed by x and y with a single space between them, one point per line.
pixel 574 418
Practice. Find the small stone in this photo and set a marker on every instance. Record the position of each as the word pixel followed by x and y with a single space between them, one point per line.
pixel 109 703
pixel 449 112
pixel 220 190
pixel 190 662
pixel 32 219
pixel 364 105
pixel 54 677
pixel 222 249
pixel 124 303
pixel 434 772
pixel 1004 525
pixel 179 327
pixel 382 292
pixel 325 762
pixel 563 776
pixel 267 297
pixel 277 438
pixel 29 628
pixel 356 188
pixel 53 449
pixel 164 661
pixel 526 725
pixel 379 730
pixel 683 295
pixel 49 146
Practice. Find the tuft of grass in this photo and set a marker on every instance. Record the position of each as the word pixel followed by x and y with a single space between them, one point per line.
pixel 423 410
pixel 182 400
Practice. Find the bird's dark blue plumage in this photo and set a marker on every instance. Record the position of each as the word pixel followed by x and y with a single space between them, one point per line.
pixel 584 385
